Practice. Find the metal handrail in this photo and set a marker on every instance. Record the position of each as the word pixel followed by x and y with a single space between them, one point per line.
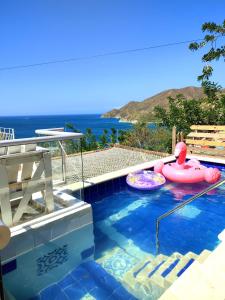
pixel 170 212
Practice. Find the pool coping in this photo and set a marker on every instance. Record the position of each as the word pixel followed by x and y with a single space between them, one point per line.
pixel 72 187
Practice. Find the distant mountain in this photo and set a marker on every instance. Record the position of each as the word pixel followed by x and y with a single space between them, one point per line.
pixel 136 110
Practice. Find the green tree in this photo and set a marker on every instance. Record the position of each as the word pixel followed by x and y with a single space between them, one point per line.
pixel 210 109
pixel 113 138
pixel 122 135
pixel 71 127
pixel 72 146
pixel 91 140
pixel 141 136
pixel 181 113
pixel 214 40
pixel 104 139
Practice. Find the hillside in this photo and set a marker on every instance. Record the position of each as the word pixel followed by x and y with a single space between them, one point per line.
pixel 135 110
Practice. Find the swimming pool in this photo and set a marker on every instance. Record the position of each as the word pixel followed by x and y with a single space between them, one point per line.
pixel 124 254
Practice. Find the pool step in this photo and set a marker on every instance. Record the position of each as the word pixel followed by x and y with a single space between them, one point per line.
pixel 90 281
pixel 159 278
pixel 203 280
pixel 203 255
pixel 152 267
pixel 135 280
pixel 159 273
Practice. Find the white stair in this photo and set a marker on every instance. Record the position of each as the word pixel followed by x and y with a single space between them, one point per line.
pixel 204 280
pixel 158 274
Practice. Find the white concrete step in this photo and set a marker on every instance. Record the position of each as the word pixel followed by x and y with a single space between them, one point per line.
pixel 156 263
pixel 203 280
pixel 162 272
pixel 203 255
pixel 172 276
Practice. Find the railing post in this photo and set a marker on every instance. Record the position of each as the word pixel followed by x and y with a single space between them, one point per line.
pixel 174 138
pixel 64 161
pixel 157 237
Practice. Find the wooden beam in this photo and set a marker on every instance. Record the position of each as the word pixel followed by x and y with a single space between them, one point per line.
pixel 205 143
pixel 208 127
pixel 215 136
pixel 209 151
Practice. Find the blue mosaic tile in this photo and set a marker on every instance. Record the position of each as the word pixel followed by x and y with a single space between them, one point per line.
pixel 52 260
pixel 99 293
pixel 74 292
pixel 79 273
pixel 102 278
pixel 53 292
pixel 87 282
pixel 88 252
pixel 122 294
pixel 66 281
pixel 9 267
pixel 119 263
pixel 36 298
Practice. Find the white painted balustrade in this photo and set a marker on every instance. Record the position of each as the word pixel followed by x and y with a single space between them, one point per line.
pixel 26 169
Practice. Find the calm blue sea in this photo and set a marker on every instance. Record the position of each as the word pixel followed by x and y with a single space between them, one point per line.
pixel 25 125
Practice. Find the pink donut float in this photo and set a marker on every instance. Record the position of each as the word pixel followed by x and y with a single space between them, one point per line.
pixel 145 180
pixel 190 172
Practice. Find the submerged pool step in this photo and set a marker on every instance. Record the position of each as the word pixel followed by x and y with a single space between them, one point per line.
pixel 172 276
pixel 162 272
pixel 159 273
pixel 151 268
pixel 136 280
pixel 87 280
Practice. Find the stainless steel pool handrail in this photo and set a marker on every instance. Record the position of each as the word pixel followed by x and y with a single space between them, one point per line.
pixel 170 212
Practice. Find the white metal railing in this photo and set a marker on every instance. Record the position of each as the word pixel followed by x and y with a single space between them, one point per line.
pixel 49 135
pixel 60 132
pixel 46 135
pixel 7 133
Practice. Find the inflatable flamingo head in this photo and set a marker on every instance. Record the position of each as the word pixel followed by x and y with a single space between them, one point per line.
pixel 180 152
pixel 212 175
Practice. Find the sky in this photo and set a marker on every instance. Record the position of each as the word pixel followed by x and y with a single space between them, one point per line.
pixel 34 31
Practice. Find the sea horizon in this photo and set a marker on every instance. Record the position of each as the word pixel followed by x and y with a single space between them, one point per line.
pixel 26 125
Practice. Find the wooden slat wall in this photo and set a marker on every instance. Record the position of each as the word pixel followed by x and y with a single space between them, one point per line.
pixel 207 139
pixel 205 143
pixel 207 135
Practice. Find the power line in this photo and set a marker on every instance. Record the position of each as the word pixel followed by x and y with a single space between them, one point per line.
pixel 73 59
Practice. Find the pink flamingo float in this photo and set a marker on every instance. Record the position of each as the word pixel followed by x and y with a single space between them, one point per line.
pixel 186 172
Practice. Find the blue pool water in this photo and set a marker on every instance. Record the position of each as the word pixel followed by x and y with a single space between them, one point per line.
pixel 123 248
pixel 133 214
pixel 183 231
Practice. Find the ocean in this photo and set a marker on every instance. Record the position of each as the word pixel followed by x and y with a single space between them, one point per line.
pixel 25 126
